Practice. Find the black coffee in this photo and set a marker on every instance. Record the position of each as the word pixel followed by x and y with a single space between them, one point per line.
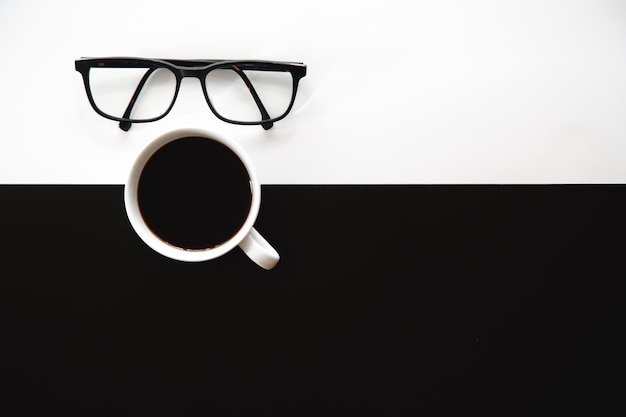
pixel 194 193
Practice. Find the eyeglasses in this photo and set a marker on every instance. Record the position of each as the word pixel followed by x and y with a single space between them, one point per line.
pixel 138 90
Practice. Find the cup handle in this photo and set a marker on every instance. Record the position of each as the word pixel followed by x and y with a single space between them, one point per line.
pixel 259 250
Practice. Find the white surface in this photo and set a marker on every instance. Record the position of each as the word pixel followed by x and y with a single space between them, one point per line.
pixel 446 91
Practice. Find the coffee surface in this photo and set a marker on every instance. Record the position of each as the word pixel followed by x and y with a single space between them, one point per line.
pixel 194 193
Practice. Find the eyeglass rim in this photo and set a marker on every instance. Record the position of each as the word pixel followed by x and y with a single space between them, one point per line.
pixel 182 68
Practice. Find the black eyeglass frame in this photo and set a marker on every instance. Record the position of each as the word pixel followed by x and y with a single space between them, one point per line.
pixel 182 68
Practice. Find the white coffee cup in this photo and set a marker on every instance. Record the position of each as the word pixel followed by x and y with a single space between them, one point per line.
pixel 154 175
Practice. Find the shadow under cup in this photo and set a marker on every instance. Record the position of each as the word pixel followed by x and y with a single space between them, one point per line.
pixel 194 193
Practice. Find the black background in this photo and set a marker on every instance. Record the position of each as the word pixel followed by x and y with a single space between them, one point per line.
pixel 388 300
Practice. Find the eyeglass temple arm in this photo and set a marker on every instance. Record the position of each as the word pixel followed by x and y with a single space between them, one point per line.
pixel 125 125
pixel 255 96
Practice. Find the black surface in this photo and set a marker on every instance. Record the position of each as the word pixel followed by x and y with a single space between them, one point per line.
pixel 388 300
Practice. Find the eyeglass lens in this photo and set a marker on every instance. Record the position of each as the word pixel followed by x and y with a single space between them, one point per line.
pixel 113 89
pixel 231 98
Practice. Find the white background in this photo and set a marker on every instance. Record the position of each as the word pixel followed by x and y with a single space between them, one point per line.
pixel 445 91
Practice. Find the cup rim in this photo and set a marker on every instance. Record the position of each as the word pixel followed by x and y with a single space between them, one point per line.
pixel 143 231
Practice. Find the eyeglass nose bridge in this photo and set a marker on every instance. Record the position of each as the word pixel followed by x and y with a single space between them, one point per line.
pixel 192 73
